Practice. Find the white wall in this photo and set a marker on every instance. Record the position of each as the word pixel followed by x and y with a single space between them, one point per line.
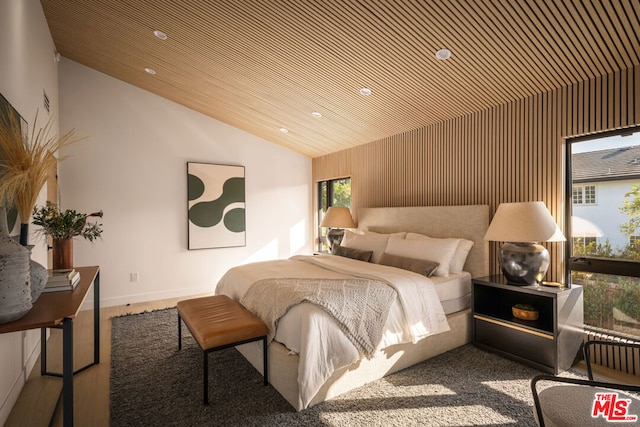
pixel 27 68
pixel 133 167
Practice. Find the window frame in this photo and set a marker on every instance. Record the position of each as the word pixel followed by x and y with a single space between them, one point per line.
pixel 588 264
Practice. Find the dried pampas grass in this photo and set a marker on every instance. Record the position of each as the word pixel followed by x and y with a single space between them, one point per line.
pixel 26 162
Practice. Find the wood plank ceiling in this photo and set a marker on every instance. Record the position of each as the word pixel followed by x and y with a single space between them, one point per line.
pixel 265 65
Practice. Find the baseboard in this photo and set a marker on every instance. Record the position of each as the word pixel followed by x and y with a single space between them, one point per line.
pixel 145 297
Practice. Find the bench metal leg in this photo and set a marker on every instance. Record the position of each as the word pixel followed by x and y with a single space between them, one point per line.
pixel 264 360
pixel 179 332
pixel 205 377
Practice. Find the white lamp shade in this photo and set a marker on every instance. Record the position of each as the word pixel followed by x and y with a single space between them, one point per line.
pixel 523 222
pixel 338 217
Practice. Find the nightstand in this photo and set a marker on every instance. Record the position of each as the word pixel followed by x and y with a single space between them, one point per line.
pixel 549 343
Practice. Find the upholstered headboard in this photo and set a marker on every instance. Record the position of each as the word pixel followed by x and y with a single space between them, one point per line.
pixel 468 222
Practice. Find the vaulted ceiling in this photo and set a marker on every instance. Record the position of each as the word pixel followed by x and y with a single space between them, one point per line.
pixel 266 65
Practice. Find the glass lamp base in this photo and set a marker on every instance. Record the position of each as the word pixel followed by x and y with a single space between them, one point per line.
pixel 334 236
pixel 523 263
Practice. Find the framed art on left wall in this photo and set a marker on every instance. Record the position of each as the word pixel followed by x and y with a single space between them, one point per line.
pixel 216 205
pixel 6 110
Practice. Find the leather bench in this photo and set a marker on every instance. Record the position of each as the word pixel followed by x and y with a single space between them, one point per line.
pixel 218 322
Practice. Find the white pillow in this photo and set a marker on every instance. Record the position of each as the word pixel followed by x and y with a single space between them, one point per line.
pixel 366 242
pixel 438 250
pixel 460 255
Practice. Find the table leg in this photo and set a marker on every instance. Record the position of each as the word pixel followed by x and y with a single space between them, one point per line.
pixel 96 319
pixel 43 351
pixel 67 372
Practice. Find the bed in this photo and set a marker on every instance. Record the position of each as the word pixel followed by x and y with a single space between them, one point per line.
pixel 440 326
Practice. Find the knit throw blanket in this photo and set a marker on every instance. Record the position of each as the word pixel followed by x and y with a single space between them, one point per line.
pixel 359 306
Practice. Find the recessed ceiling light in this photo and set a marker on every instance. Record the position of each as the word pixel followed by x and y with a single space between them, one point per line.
pixel 443 54
pixel 365 91
pixel 150 70
pixel 316 114
pixel 159 34
pixel 284 130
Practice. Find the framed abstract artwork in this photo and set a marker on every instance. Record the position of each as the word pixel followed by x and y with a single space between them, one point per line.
pixel 6 110
pixel 216 206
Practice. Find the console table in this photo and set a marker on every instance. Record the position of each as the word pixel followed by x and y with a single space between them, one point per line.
pixel 58 310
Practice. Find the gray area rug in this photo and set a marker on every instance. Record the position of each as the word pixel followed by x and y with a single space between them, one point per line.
pixel 154 384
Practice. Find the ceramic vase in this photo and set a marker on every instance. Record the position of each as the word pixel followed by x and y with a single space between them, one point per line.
pixel 63 254
pixel 15 280
pixel 39 276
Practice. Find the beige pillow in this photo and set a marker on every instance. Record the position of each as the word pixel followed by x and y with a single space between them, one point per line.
pixel 420 266
pixel 436 250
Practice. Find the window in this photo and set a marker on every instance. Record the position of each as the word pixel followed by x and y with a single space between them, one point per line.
pixel 577 195
pixel 589 194
pixel 604 256
pixel 582 245
pixel 584 195
pixel 334 192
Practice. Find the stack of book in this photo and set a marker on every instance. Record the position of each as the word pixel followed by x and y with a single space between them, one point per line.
pixel 62 280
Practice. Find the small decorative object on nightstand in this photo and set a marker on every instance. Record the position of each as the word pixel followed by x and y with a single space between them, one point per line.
pixel 525 312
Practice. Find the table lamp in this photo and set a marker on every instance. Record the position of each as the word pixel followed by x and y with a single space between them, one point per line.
pixel 337 219
pixel 521 226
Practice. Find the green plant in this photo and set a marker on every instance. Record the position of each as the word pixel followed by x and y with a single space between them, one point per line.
pixel 525 307
pixel 66 224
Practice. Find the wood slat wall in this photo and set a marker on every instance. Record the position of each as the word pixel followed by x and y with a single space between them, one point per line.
pixel 509 153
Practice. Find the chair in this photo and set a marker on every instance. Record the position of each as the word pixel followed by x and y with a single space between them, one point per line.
pixel 580 402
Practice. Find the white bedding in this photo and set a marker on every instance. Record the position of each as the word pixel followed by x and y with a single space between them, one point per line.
pixel 454 291
pixel 311 333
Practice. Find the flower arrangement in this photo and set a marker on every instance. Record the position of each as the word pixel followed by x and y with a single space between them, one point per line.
pixel 26 163
pixel 66 224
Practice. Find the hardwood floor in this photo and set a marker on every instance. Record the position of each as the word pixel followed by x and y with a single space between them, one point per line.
pixel 39 397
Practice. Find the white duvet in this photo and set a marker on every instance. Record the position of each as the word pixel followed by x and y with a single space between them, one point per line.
pixel 313 334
